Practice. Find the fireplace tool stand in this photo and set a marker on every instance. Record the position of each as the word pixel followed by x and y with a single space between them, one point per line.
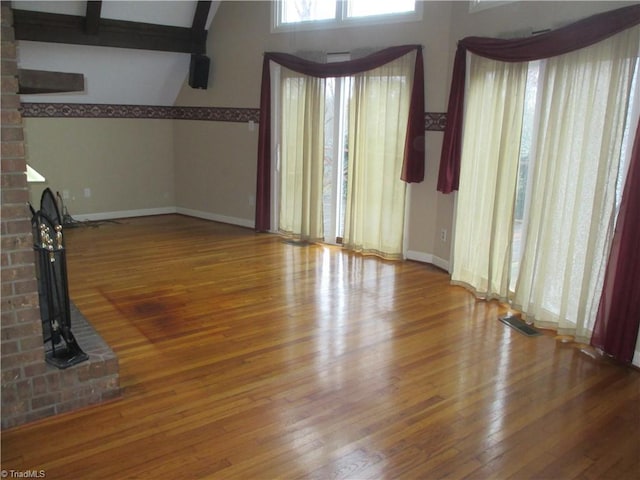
pixel 61 348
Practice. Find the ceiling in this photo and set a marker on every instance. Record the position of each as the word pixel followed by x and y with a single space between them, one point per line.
pixel 113 75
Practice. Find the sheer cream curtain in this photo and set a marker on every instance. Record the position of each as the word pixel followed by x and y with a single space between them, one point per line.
pixel 488 176
pixel 302 155
pixel 584 104
pixel 378 115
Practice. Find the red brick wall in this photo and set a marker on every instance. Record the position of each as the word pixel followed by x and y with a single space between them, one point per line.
pixel 20 330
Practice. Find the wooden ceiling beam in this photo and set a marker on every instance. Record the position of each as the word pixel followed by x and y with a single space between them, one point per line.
pixel 71 29
pixel 200 16
pixel 92 18
pixel 198 26
pixel 41 81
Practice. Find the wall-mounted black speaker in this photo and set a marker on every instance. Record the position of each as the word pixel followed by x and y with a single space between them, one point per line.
pixel 199 71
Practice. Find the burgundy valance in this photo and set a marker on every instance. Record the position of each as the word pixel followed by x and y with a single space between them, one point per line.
pixel 572 37
pixel 413 165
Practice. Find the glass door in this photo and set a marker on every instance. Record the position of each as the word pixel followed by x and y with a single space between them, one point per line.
pixel 338 92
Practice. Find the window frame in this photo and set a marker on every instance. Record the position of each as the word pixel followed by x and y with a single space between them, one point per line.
pixel 341 20
pixel 479 5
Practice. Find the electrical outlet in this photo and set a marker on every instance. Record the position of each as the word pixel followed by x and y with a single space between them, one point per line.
pixel 87 192
pixel 443 235
pixel 65 194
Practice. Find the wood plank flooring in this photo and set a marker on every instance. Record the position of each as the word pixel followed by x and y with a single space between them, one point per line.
pixel 244 357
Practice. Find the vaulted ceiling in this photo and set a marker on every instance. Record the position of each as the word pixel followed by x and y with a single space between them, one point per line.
pixel 129 52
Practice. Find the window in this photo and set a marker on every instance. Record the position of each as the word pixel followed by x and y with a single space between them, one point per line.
pixel 477 5
pixel 317 14
pixel 369 8
pixel 338 91
pixel 544 151
pixel 340 144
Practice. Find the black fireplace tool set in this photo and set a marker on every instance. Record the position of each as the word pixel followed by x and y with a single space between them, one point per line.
pixel 61 348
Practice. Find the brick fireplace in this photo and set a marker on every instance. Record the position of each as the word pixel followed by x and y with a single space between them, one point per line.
pixel 32 389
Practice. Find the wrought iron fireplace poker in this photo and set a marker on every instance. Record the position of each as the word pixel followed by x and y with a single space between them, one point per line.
pixel 53 286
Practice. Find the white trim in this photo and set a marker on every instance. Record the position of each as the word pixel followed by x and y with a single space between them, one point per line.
pixel 428 258
pixel 241 222
pixel 635 360
pixel 479 5
pixel 452 233
pixel 440 263
pixel 147 212
pixel 407 215
pixel 124 214
pixel 276 127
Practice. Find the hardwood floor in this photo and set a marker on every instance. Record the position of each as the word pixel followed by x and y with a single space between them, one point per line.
pixel 242 356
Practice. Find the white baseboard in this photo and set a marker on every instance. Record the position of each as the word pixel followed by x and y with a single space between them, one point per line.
pixel 428 258
pixel 124 214
pixel 241 222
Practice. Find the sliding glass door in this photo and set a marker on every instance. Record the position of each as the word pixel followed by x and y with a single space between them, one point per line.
pixel 543 158
pixel 340 145
pixel 336 159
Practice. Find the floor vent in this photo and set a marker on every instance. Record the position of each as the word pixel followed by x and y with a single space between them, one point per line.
pixel 519 325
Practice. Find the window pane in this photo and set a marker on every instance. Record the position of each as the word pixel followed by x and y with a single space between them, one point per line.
pixel 366 8
pixel 295 11
pixel 627 138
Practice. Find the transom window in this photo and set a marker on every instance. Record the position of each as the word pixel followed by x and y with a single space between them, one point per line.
pixel 316 14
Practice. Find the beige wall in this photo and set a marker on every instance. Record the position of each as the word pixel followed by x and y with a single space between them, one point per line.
pixel 216 170
pixel 127 163
pixel 521 18
pixel 239 35
pixel 208 168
